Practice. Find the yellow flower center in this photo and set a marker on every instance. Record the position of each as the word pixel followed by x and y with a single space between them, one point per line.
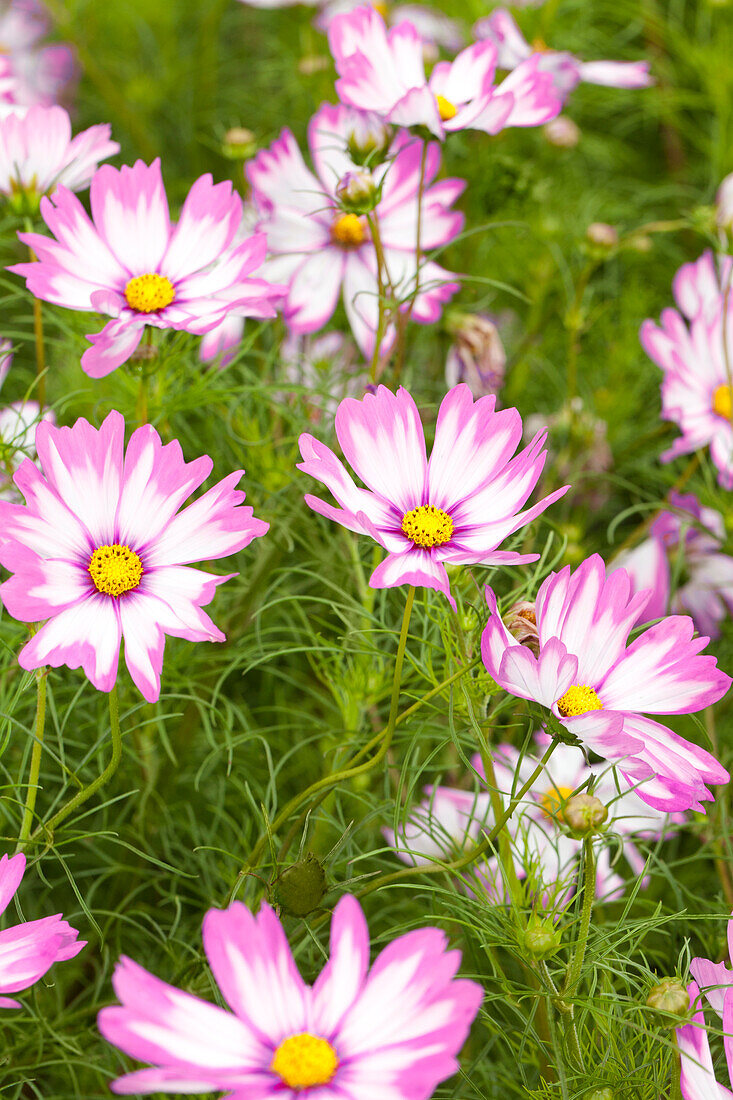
pixel 722 403
pixel 115 569
pixel 304 1061
pixel 539 46
pixel 427 526
pixel 554 799
pixel 348 231
pixel 578 699
pixel 146 293
pixel 446 109
pixel 381 9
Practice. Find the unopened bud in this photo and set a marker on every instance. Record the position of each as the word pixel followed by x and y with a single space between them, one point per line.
pixel 314 63
pixel 602 235
pixel 238 144
pixel 671 996
pixel 301 887
pixel 600 1094
pixel 521 622
pixel 562 132
pixel 584 814
pixel 724 204
pixel 369 140
pixel 477 355
pixel 357 192
pixel 541 939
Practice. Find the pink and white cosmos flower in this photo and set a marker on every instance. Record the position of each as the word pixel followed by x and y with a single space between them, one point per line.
pixel 37 152
pixel 384 71
pixel 41 74
pixel 131 263
pixel 101 550
pixel 320 251
pixel 456 508
pixel 697 1077
pixel 600 689
pixel 694 349
pixel 565 70
pixel 29 949
pixel 690 535
pixel 392 1031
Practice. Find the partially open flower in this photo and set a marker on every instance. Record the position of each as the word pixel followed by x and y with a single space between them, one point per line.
pixel 521 622
pixel 357 192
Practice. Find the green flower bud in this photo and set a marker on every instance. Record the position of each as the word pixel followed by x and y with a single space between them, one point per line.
pixel 671 996
pixel 357 193
pixel 541 939
pixel 238 144
pixel 584 815
pixel 301 887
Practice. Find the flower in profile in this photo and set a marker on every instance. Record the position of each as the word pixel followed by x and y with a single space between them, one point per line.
pixel 37 153
pixel 687 539
pixel 41 74
pixel 694 349
pixel 394 1030
pixel 565 70
pixel 697 1073
pixel 383 70
pixel 601 690
pixel 476 356
pixel 130 263
pixel 101 550
pixel 29 949
pixel 321 251
pixel 456 508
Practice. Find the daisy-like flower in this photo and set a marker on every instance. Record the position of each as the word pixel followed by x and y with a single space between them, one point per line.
pixel 600 689
pixel 130 263
pixel 434 27
pixel 458 507
pixel 690 536
pixel 37 153
pixel 697 1077
pixel 392 1031
pixel 565 70
pixel 102 552
pixel 320 250
pixel 28 950
pixel 384 71
pixel 694 349
pixel 41 74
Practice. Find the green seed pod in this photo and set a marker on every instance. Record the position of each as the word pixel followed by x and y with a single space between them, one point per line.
pixel 671 996
pixel 301 887
pixel 584 815
pixel 541 939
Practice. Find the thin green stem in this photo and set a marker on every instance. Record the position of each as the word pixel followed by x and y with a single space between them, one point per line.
pixel 86 793
pixel 36 754
pixel 382 275
pixel 348 773
pixel 403 319
pixel 572 976
pixel 38 337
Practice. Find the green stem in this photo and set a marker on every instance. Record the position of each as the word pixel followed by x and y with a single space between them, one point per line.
pixel 36 754
pixel 382 274
pixel 572 977
pixel 348 773
pixel 38 333
pixel 86 793
pixel 404 318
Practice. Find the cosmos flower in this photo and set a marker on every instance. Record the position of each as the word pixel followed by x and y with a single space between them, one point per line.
pixel 101 551
pixel 600 689
pixel 392 1031
pixel 565 70
pixel 29 949
pixel 697 1077
pixel 456 508
pixel 321 251
pixel 689 538
pixel 130 263
pixel 40 74
pixel 37 153
pixel 384 71
pixel 694 349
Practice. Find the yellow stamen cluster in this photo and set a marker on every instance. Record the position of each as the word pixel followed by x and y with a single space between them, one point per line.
pixel 446 109
pixel 381 9
pixel 304 1061
pixel 722 402
pixel 115 569
pixel 554 799
pixel 578 699
pixel 148 293
pixel 348 231
pixel 427 526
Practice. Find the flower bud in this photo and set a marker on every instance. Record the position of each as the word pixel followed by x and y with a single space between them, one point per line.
pixel 477 355
pixel 562 132
pixel 541 939
pixel 584 814
pixel 521 622
pixel 238 144
pixel 314 63
pixel 724 204
pixel 600 1094
pixel 669 995
pixel 357 192
pixel 369 140
pixel 602 235
pixel 301 887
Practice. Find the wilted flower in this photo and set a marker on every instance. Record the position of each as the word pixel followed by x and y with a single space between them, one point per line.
pixel 476 356
pixel 521 622
pixel 600 689
pixel 355 1032
pixel 457 508
pixel 101 550
pixel 29 949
